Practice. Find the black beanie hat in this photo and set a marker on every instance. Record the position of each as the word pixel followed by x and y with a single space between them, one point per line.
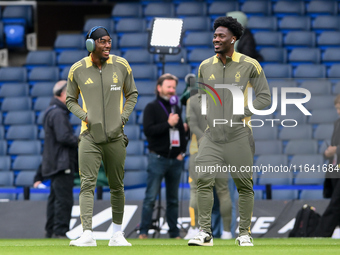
pixel 98 33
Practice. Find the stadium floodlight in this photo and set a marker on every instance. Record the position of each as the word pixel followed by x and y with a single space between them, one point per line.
pixel 166 36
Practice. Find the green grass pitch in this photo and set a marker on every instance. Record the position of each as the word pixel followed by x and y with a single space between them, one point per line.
pixel 262 246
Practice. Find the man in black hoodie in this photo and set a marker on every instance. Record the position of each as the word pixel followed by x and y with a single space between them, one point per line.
pixel 60 160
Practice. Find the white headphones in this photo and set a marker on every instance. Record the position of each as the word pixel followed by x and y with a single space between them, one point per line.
pixel 232 41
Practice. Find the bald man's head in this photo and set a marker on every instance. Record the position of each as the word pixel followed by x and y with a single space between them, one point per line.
pixel 59 87
pixel 59 90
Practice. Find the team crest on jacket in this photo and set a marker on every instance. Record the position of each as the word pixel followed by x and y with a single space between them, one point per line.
pixel 237 77
pixel 115 77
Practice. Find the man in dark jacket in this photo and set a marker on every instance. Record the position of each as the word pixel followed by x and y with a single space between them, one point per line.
pixel 59 162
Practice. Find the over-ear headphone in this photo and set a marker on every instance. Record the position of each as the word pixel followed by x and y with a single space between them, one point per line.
pixel 90 43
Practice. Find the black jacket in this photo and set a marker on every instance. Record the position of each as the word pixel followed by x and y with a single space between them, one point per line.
pixel 247 45
pixel 60 146
pixel 156 129
pixel 333 177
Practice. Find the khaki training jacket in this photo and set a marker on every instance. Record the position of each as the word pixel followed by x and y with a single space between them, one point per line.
pixel 102 96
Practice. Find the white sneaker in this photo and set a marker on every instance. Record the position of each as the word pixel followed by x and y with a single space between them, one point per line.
pixel 201 239
pixel 245 240
pixel 192 232
pixel 118 239
pixel 226 235
pixel 86 239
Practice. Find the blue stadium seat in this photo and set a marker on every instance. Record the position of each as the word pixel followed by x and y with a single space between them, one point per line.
pixel 39 74
pixel 6 178
pixel 322 7
pixel 280 83
pixel 134 56
pixel 132 117
pixel 299 39
pixel 329 38
pixel 139 162
pixel 69 42
pixel 265 132
pixel 18 14
pixel 288 23
pixel 198 55
pixel 134 179
pixel 191 9
pixel 198 39
pixel 334 71
pixel 320 102
pixel 317 87
pixel 304 55
pixel 331 55
pixel 326 23
pixel 65 72
pixel 220 8
pixel 307 194
pixel 67 58
pixel 126 10
pixel 268 38
pixel 2 132
pixel 14 90
pixel 196 24
pixel 278 70
pixel 108 23
pixel 262 8
pixel 336 88
pixel 134 40
pixel 320 116
pixel 128 25
pixel 135 147
pixel 20 147
pixel 132 132
pixel 310 71
pixel 274 55
pixel 3 147
pixel 13 74
pixel 27 162
pixel 41 103
pixel 115 52
pixel 180 71
pixel 19 118
pixel 282 8
pixel 296 147
pixel 306 175
pixel 146 88
pixel 178 58
pixel 5 163
pixel 25 179
pixel 256 23
pixel 272 160
pixel 159 10
pixel 135 194
pixel 302 131
pixel 16 104
pixel 22 132
pixel 275 178
pixel 42 89
pixel 268 147
pixel 149 72
pixel 40 58
pixel 323 131
pixel 143 101
pixel 278 194
pixel 15 35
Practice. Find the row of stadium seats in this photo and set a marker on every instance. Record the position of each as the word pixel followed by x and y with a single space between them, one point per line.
pixel 217 8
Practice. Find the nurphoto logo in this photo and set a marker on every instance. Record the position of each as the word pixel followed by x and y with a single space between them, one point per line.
pixel 238 103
